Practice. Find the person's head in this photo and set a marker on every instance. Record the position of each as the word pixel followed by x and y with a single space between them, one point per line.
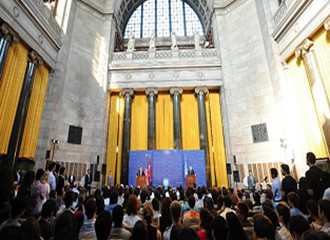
pixel 39 174
pixel 48 208
pixel 324 210
pixel 242 211
pixel 190 168
pixel 250 173
pixel 103 225
pixel 31 228
pixel 315 235
pixel 88 171
pixel 18 206
pixel 293 199
pixel 312 208
pixel 90 208
pixel 191 202
pixel 132 205
pixel 52 167
pixel 66 224
pixel 219 228
pixel 62 170
pixel 175 211
pixel 297 226
pixel 206 218
pixel 283 213
pixel 273 172
pixel 148 213
pixel 139 231
pixel 285 169
pixel 310 158
pixel 155 204
pixel 187 233
pixel 235 227
pixel 28 179
pixel 271 214
pixel 68 199
pixel 249 203
pixel 263 228
pixel 45 177
pixel 114 197
pixel 141 168
pixel 268 194
pixel 53 194
pixel 227 202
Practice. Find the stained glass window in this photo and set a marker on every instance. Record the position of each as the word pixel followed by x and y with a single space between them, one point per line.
pixel 163 17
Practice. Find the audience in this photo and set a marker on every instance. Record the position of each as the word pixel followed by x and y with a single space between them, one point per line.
pixel 114 212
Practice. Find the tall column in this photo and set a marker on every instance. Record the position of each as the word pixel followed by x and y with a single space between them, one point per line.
pixel 203 136
pixel 128 94
pixel 176 96
pixel 22 108
pixel 8 35
pixel 316 83
pixel 151 94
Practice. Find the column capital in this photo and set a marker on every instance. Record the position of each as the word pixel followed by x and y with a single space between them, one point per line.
pixel 201 90
pixel 9 32
pixel 151 91
pixel 127 91
pixel 36 58
pixel 304 48
pixel 327 24
pixel 176 91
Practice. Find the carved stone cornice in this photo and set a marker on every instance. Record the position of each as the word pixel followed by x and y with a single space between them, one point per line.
pixel 9 32
pixel 176 91
pixel 151 91
pixel 201 90
pixel 327 24
pixel 36 58
pixel 304 48
pixel 126 92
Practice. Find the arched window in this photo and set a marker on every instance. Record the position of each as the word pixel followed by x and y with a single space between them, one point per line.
pixel 163 17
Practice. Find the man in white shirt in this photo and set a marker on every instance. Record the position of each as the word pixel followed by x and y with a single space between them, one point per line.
pixel 52 178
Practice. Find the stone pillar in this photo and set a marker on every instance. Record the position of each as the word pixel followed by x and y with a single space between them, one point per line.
pixel 203 136
pixel 151 94
pixel 8 35
pixel 316 83
pixel 22 108
pixel 176 96
pixel 128 94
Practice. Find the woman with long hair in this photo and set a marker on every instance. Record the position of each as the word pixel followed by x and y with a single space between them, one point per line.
pixel 165 220
pixel 235 228
pixel 206 217
pixel 148 214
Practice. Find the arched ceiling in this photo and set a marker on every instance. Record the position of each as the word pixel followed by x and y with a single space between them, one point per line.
pixel 203 8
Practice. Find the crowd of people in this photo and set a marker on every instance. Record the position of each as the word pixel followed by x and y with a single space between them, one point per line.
pixel 49 205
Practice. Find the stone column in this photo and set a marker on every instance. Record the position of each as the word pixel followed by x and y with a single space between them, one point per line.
pixel 203 136
pixel 22 108
pixel 8 35
pixel 151 94
pixel 316 83
pixel 128 94
pixel 176 96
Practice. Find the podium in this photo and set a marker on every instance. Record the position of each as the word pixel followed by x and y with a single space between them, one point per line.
pixel 141 181
pixel 190 181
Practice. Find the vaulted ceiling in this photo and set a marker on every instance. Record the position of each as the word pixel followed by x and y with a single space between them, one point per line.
pixel 202 7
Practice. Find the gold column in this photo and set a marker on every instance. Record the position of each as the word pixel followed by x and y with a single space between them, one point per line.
pixel 316 83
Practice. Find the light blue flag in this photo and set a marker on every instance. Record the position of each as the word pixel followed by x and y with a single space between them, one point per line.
pixel 185 166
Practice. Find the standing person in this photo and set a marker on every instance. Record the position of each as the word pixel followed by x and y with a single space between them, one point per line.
pixel 52 178
pixel 60 182
pixel 118 231
pixel 110 179
pixel 276 185
pixel 140 172
pixel 324 214
pixel 72 179
pixel 38 193
pixel 314 175
pixel 251 181
pixel 191 171
pixel 87 230
pixel 88 182
pixel 289 184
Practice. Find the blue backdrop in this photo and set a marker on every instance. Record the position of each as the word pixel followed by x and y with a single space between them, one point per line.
pixel 171 164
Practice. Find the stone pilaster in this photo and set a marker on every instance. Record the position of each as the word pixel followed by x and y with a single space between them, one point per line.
pixel 203 136
pixel 151 94
pixel 7 36
pixel 316 83
pixel 22 108
pixel 128 95
pixel 176 96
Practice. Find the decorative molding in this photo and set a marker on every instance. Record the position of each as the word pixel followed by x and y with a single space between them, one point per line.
pixel 327 24
pixel 36 58
pixel 176 91
pixel 303 48
pixel 201 90
pixel 8 31
pixel 95 10
pixel 224 9
pixel 127 92
pixel 151 91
